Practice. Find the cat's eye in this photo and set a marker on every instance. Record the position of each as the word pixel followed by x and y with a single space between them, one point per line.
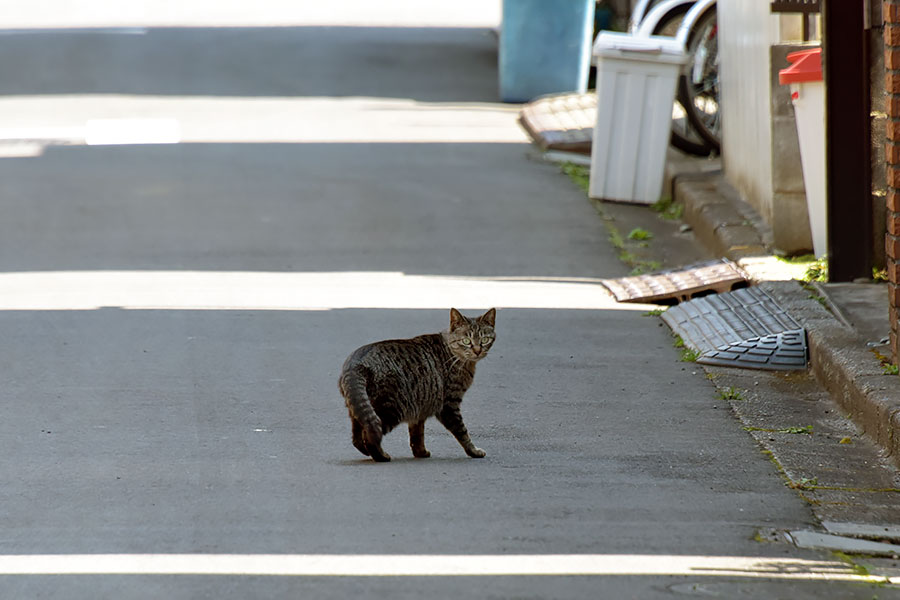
pixel 486 340
pixel 465 342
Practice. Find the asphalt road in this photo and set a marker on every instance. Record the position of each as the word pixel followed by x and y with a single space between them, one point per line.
pixel 144 417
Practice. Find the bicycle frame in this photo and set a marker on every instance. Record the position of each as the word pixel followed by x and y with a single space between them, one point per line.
pixel 691 18
pixel 638 14
pixel 656 14
pixel 651 16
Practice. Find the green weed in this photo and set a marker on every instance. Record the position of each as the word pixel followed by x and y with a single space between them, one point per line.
pixel 638 266
pixel 639 234
pixel 689 355
pixel 579 174
pixel 847 559
pixel 805 483
pixel 668 209
pixel 645 266
pixel 686 354
pixel 797 260
pixel 817 271
pixel 730 393
pixel 887 367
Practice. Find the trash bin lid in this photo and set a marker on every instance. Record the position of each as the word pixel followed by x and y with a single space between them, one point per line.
pixel 650 47
pixel 806 65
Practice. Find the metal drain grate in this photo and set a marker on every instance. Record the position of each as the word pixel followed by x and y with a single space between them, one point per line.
pixel 561 121
pixel 680 284
pixel 745 328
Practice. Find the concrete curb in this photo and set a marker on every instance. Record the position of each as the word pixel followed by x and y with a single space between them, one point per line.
pixel 848 373
pixel 848 370
pixel 839 358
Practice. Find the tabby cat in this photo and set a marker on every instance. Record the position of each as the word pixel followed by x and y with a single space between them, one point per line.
pixel 396 381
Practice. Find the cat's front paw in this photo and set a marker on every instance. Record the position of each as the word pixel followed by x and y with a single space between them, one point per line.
pixel 475 452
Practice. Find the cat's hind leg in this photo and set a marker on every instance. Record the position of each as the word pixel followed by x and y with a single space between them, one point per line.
pixel 417 439
pixel 367 439
pixel 368 428
pixel 371 439
pixel 358 441
pixel 377 453
pixel 373 433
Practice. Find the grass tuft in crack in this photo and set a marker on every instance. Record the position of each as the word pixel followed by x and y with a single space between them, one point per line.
pixel 887 367
pixel 579 174
pixel 668 209
pixel 730 393
pixel 639 234
pixel 686 354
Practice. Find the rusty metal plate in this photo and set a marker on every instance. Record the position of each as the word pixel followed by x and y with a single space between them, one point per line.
pixel 561 121
pixel 680 285
pixel 745 328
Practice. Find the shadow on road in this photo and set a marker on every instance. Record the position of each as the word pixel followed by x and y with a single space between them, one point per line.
pixel 423 64
pixel 444 209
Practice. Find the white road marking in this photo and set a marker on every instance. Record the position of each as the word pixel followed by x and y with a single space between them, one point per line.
pixel 110 132
pixel 115 16
pixel 212 290
pixel 96 119
pixel 431 565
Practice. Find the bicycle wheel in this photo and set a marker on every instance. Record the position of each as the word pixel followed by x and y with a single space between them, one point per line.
pixel 698 88
pixel 683 136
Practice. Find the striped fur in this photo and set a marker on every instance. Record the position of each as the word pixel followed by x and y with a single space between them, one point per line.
pixel 407 381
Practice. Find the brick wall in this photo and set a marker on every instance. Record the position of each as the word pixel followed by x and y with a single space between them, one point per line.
pixel 891 14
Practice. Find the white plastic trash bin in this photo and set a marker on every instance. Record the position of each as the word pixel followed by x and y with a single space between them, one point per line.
pixel 808 96
pixel 636 78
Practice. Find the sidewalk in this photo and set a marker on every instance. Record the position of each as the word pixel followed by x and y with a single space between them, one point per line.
pixel 845 322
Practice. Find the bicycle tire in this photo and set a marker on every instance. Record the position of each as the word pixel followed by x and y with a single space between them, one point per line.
pixel 689 144
pixel 688 140
pixel 694 97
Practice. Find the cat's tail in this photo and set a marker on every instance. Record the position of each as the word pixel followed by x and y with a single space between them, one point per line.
pixel 353 388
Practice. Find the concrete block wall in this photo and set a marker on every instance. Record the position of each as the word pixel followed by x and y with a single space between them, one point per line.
pixel 891 15
pixel 746 30
pixel 760 150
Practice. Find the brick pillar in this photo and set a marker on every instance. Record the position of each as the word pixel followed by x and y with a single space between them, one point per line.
pixel 891 13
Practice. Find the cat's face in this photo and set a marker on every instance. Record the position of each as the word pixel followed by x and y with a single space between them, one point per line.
pixel 471 338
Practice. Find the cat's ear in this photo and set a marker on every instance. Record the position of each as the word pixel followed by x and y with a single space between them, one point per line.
pixel 489 318
pixel 456 319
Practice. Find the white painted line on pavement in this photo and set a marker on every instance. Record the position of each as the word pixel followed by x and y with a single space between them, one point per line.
pixel 109 132
pixel 116 15
pixel 68 134
pixel 381 565
pixel 213 290
pixel 137 119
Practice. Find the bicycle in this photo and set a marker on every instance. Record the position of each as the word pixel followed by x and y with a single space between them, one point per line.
pixel 696 127
pixel 699 87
